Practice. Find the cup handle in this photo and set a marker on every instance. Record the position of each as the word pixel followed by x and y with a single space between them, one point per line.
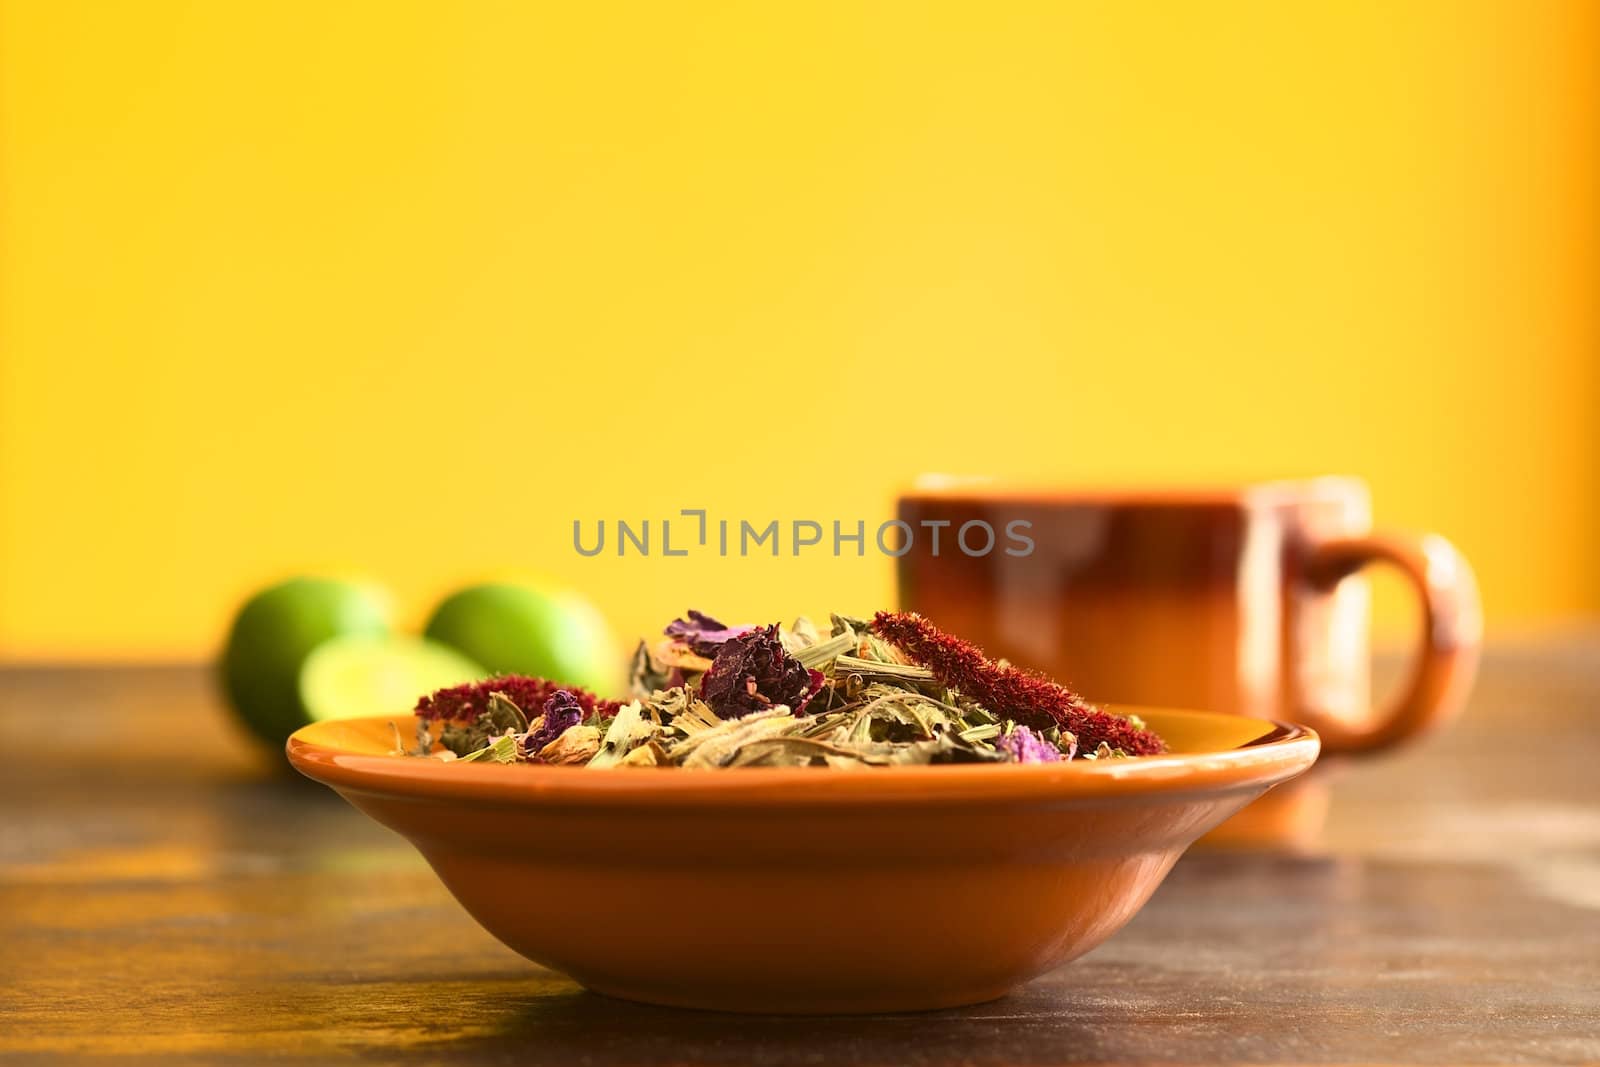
pixel 1451 635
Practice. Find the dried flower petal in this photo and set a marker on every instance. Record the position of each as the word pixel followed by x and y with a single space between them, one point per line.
pixel 561 712
pixel 1029 699
pixel 1025 746
pixel 704 634
pixel 753 672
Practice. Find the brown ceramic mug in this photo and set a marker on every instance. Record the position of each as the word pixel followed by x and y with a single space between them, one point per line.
pixel 1243 600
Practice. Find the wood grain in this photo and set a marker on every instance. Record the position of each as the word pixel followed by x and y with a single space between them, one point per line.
pixel 168 894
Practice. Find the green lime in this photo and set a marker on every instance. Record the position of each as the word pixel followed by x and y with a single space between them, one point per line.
pixel 519 628
pixel 274 633
pixel 378 674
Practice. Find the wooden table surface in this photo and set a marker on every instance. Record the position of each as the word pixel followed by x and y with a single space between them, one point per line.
pixel 168 895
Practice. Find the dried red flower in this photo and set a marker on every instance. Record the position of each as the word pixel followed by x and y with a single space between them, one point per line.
pixel 753 672
pixel 1027 698
pixel 464 703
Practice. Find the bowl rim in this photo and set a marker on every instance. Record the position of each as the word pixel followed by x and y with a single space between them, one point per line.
pixel 1282 751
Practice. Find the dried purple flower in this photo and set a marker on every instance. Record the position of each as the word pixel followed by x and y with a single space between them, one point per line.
pixel 752 672
pixel 1025 746
pixel 703 634
pixel 562 711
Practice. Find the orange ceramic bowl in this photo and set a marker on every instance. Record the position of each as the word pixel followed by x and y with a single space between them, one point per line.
pixel 808 890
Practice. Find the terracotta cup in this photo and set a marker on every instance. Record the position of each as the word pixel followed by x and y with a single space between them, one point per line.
pixel 1245 600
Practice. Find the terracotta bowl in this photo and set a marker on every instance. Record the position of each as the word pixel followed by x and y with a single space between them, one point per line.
pixel 808 891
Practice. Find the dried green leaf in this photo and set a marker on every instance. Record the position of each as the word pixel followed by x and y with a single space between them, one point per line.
pixel 627 731
pixel 714 747
pixel 646 674
pixel 463 739
pixel 824 652
pixel 502 749
pixel 883 670
pixel 800 636
pixel 504 715
pixel 424 739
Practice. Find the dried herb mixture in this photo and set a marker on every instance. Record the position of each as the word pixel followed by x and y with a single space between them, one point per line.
pixel 893 690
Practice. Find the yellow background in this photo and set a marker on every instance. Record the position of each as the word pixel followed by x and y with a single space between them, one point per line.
pixel 405 288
